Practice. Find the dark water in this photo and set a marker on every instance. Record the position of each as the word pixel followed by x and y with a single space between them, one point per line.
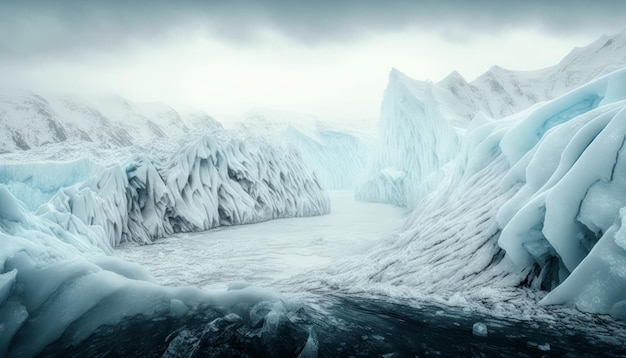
pixel 340 327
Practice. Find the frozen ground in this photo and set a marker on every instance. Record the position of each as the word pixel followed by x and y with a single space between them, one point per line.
pixel 264 253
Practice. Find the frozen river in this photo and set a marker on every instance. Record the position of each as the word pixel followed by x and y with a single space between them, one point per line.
pixel 265 253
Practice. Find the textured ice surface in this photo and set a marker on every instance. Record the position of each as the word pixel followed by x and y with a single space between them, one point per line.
pixel 336 152
pixel 414 142
pixel 210 182
pixel 528 200
pixel 56 281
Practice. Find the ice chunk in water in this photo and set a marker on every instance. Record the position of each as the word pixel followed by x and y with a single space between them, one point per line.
pixel 479 329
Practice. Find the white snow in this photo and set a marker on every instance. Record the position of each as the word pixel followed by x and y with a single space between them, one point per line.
pixel 29 120
pixel 266 253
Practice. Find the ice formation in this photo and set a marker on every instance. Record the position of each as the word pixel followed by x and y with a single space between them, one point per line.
pixel 59 220
pixel 208 183
pixel 336 153
pixel 567 216
pixel 415 141
pixel 535 200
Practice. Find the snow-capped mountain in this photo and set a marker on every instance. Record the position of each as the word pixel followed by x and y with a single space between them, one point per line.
pixel 336 151
pixel 28 120
pixel 501 92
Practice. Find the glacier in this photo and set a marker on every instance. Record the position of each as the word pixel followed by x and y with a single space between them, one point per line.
pixel 420 117
pixel 337 153
pixel 512 212
pixel 410 123
pixel 59 222
pixel 531 208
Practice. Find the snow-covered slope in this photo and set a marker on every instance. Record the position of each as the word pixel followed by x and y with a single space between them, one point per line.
pixel 532 201
pixel 337 152
pixel 28 120
pixel 500 92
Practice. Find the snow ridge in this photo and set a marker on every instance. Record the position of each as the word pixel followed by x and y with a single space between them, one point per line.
pixel 500 92
pixel 28 120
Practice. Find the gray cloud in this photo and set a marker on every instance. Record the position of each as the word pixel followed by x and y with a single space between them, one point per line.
pixel 38 29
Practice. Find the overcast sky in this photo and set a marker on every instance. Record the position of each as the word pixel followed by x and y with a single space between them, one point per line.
pixel 330 59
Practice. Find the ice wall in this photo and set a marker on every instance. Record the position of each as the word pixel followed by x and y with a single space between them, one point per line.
pixel 532 202
pixel 29 120
pixel 338 158
pixel 337 152
pixel 566 219
pixel 414 143
pixel 208 183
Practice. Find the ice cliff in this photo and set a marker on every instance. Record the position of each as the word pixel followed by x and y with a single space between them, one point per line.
pixel 532 203
pixel 416 137
pixel 211 182
pixel 337 153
